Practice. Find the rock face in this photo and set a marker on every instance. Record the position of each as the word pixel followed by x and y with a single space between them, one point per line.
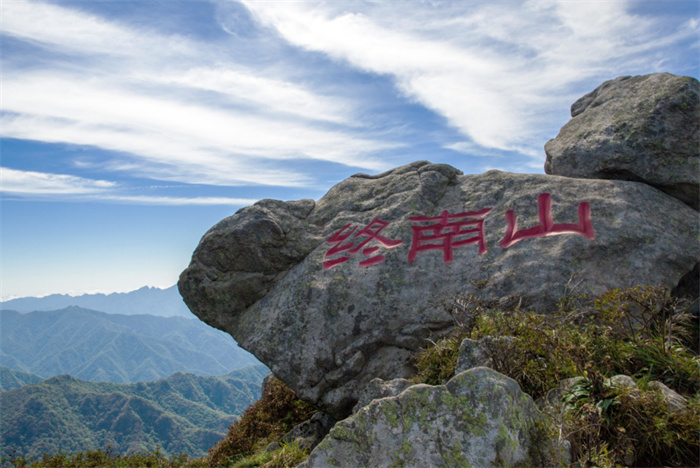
pixel 260 275
pixel 641 128
pixel 480 353
pixel 479 418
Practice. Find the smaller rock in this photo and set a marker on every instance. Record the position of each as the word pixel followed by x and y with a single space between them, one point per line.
pixel 481 353
pixel 673 400
pixel 623 381
pixel 378 388
pixel 311 432
pixel 479 418
pixel 273 447
pixel 555 395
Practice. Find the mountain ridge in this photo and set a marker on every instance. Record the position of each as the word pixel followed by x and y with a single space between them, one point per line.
pixel 97 346
pixel 146 300
pixel 183 413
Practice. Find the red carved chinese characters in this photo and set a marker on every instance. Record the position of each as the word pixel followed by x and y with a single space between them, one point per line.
pixel 443 234
pixel 547 227
pixel 370 232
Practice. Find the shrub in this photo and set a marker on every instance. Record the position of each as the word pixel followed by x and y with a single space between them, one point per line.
pixel 266 420
pixel 106 458
pixel 617 425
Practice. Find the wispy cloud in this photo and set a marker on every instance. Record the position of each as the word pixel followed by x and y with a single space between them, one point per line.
pixel 495 70
pixel 38 183
pixel 169 107
pixel 45 186
pixel 73 31
pixel 196 143
pixel 185 108
pixel 178 201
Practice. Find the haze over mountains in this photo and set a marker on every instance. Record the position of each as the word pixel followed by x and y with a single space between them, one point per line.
pixel 141 335
pixel 147 300
pixel 139 373
pixel 102 347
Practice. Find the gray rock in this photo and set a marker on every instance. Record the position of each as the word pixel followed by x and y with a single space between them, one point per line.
pixel 379 388
pixel 479 418
pixel 673 401
pixel 327 333
pixel 622 380
pixel 481 353
pixel 641 128
pixel 688 291
pixel 309 433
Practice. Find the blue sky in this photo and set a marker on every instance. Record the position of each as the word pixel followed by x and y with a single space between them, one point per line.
pixel 131 127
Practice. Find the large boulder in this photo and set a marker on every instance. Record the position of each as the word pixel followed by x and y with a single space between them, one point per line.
pixel 641 128
pixel 479 418
pixel 328 331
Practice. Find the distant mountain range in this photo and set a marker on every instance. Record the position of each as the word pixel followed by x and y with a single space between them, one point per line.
pixel 103 347
pixel 184 413
pixel 147 300
pixel 11 378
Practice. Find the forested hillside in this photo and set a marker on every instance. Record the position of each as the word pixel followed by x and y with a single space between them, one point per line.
pixel 184 413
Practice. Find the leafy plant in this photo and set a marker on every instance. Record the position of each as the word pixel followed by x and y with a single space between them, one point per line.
pixel 267 420
pixel 611 425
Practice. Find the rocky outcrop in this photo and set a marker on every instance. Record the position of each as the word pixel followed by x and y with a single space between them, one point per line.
pixel 308 434
pixel 479 418
pixel 264 276
pixel 379 388
pixel 640 128
pixel 482 352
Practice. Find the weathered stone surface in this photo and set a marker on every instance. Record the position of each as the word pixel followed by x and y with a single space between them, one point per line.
pixel 327 333
pixel 479 418
pixel 673 400
pixel 310 433
pixel 641 128
pixel 379 388
pixel 480 353
pixel 622 380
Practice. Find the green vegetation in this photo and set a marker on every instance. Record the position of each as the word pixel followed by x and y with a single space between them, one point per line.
pixel 184 413
pixel 611 425
pixel 640 332
pixel 266 421
pixel 103 347
pixel 106 458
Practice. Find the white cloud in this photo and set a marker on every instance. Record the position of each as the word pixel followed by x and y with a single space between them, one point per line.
pixel 74 31
pixel 139 100
pixel 497 71
pixel 13 181
pixel 199 144
pixel 276 95
pixel 178 201
pixel 38 185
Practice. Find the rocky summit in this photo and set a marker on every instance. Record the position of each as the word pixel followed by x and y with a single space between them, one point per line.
pixel 331 294
pixel 327 331
pixel 642 128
